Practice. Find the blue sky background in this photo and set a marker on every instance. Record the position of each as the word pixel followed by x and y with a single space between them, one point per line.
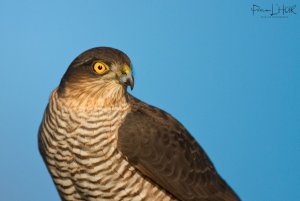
pixel 231 78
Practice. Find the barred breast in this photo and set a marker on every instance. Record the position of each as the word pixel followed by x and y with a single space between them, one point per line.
pixel 79 149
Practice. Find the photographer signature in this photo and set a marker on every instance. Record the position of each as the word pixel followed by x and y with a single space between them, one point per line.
pixel 275 10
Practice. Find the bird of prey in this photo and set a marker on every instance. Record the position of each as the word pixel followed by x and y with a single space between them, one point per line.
pixel 101 143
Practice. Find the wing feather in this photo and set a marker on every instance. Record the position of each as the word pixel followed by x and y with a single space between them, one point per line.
pixel 160 148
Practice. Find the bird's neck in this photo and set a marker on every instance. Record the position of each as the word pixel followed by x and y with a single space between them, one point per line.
pixel 90 100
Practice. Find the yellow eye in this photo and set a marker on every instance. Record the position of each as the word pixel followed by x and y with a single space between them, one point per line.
pixel 100 67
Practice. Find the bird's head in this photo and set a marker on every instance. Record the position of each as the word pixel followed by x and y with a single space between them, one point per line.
pixel 98 77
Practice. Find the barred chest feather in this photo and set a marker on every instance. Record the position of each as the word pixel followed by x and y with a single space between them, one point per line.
pixel 80 151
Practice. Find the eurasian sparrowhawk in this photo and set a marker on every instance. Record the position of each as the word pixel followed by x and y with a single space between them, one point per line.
pixel 101 143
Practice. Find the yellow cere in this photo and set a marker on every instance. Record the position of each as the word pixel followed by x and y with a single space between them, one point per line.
pixel 126 69
pixel 100 68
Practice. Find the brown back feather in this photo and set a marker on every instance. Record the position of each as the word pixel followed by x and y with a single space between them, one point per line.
pixel 164 151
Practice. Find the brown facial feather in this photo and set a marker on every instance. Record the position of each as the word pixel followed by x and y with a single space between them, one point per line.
pixel 85 88
pixel 163 150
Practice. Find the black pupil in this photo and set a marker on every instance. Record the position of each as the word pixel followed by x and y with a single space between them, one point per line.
pixel 100 67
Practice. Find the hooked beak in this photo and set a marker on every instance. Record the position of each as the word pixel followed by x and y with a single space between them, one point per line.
pixel 126 77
